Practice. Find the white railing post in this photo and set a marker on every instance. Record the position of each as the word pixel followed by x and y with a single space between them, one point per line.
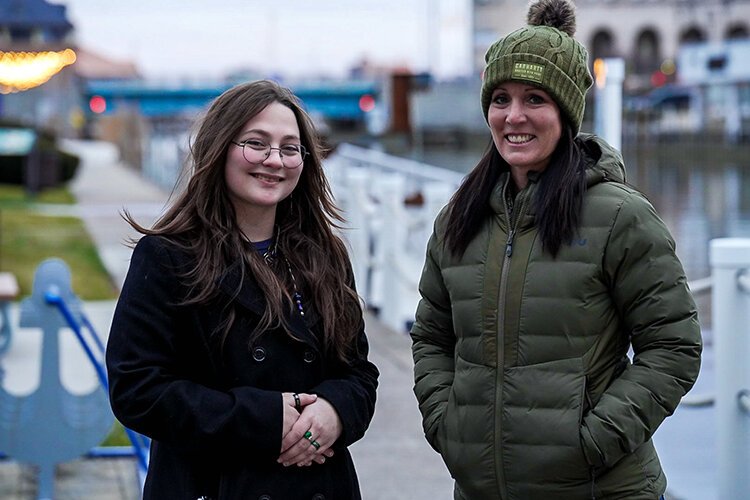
pixel 436 196
pixel 610 74
pixel 393 234
pixel 385 237
pixel 358 234
pixel 730 263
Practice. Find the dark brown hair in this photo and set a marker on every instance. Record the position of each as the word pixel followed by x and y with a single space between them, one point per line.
pixel 202 221
pixel 558 198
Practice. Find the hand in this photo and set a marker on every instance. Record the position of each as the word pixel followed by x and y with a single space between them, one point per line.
pixel 291 415
pixel 324 425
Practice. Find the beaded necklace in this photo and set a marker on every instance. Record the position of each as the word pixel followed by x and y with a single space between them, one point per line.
pixel 269 251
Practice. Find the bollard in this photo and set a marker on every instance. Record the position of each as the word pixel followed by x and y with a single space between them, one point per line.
pixel 730 264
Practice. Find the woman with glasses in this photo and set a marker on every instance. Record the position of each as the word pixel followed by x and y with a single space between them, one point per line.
pixel 238 341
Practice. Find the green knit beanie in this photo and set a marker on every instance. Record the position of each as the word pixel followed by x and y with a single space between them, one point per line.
pixel 545 54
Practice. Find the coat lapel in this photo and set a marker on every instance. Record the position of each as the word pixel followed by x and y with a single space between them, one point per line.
pixel 250 296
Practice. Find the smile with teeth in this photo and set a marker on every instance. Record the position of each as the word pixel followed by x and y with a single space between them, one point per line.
pixel 519 138
pixel 266 178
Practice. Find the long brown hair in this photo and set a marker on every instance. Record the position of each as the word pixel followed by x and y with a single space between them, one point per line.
pixel 202 221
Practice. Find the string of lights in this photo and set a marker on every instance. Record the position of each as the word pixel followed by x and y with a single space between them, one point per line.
pixel 21 71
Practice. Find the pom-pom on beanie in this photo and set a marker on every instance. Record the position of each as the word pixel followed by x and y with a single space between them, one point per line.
pixel 545 54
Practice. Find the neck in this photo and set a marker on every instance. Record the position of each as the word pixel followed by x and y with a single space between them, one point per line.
pixel 257 226
pixel 519 177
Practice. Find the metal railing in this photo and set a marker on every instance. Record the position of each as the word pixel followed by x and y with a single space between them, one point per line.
pixel 80 324
pixel 730 264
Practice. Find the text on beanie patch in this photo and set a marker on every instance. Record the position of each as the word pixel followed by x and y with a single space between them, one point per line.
pixel 528 71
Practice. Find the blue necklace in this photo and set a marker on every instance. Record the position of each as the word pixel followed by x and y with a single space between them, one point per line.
pixel 267 249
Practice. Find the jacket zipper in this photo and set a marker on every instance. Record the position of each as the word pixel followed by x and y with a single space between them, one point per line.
pixel 513 227
pixel 502 296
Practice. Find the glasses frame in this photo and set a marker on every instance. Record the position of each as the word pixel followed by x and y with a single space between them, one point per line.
pixel 303 153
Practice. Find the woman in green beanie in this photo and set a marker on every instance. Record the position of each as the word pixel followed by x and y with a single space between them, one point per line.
pixel 543 271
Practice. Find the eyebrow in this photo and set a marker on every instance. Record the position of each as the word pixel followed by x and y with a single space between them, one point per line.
pixel 526 88
pixel 266 134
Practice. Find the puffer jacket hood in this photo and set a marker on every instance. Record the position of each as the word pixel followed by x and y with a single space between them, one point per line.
pixel 604 163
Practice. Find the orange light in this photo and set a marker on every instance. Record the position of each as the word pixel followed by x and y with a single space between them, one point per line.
pixel 98 104
pixel 367 103
pixel 600 73
pixel 21 71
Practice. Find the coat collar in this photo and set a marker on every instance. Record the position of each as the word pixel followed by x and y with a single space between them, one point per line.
pixel 245 291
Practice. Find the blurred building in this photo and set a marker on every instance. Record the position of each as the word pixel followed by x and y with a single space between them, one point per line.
pixel 37 82
pixel 43 74
pixel 648 34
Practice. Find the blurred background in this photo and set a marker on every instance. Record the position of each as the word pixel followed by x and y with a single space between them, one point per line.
pixel 402 77
pixel 389 83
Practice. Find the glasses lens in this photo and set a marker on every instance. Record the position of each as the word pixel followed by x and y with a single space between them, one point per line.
pixel 292 155
pixel 255 151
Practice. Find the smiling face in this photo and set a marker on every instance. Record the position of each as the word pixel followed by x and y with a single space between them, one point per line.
pixel 256 189
pixel 526 126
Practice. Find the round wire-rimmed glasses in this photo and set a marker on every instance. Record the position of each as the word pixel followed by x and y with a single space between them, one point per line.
pixel 256 152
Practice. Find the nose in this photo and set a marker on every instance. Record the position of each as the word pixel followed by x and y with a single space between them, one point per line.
pixel 516 113
pixel 274 158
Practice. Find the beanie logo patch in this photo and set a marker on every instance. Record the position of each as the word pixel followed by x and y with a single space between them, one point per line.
pixel 528 71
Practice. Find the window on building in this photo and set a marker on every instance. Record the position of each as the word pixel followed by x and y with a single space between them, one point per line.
pixel 602 45
pixel 647 56
pixel 692 35
pixel 20 34
pixel 737 32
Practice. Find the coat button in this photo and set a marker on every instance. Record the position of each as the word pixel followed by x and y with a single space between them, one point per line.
pixel 309 356
pixel 259 354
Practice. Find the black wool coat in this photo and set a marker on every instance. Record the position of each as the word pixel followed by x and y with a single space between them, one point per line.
pixel 215 414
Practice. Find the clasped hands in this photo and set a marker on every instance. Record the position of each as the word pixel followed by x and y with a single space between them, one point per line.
pixel 317 423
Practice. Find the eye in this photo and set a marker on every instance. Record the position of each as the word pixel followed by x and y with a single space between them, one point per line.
pixel 500 98
pixel 536 99
pixel 256 144
pixel 291 149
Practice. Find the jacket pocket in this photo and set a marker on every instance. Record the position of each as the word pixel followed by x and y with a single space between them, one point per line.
pixel 541 430
pixel 464 433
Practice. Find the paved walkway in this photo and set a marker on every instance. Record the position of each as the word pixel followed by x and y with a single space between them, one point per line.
pixel 393 460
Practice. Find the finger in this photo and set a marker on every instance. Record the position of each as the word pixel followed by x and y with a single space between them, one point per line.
pixel 307 399
pixel 296 433
pixel 302 451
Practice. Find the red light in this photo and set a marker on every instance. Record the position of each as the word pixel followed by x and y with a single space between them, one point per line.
pixel 367 103
pixel 658 78
pixel 98 104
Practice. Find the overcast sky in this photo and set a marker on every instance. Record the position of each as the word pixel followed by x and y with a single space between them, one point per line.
pixel 202 39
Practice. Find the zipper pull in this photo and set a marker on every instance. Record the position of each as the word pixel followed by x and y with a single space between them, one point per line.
pixel 509 243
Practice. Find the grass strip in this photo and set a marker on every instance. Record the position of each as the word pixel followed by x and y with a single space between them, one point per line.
pixel 28 237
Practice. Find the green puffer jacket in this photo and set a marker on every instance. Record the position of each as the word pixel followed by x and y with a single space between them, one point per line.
pixel 521 361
